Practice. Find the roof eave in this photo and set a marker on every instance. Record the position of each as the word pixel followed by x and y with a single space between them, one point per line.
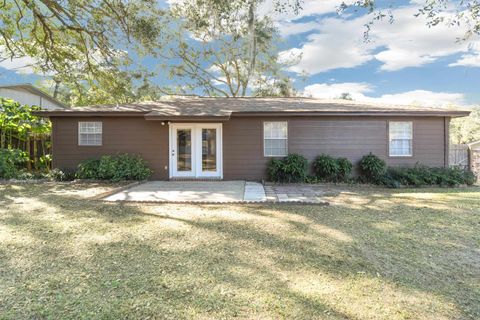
pixel 354 113
pixel 186 118
pixel 61 113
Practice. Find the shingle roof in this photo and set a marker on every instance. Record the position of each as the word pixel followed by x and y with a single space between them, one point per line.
pixel 31 88
pixel 226 107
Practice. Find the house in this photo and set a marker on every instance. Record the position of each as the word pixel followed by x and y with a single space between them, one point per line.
pixel 29 95
pixel 234 138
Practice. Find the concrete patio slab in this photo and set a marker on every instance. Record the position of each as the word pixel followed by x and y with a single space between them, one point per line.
pixel 183 191
pixel 218 192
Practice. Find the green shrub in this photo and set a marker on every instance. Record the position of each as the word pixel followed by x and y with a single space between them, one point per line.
pixel 372 169
pixel 128 167
pixel 11 162
pixel 420 175
pixel 345 168
pixel 107 168
pixel 331 169
pixel 115 168
pixel 292 168
pixel 88 169
pixel 326 168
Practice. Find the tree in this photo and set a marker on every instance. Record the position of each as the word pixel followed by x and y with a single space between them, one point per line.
pixel 218 47
pixel 464 13
pixel 81 45
pixel 466 129
pixel 57 33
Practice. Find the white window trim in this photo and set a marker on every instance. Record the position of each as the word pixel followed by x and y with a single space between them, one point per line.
pixel 390 140
pixel 264 138
pixel 79 133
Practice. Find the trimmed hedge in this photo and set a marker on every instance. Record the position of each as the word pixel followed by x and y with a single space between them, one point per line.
pixel 114 168
pixel 292 168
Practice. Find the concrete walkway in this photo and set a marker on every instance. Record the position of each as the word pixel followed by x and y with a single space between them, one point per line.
pixel 192 191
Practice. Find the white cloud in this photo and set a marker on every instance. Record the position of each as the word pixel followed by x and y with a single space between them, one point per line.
pixel 421 97
pixel 359 91
pixel 407 42
pixel 290 28
pixel 339 45
pixel 335 90
pixel 309 8
pixel 467 60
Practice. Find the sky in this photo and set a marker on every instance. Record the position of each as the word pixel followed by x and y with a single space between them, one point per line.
pixel 405 61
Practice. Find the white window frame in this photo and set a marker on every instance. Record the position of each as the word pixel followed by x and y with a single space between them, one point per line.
pixel 410 123
pixel 270 138
pixel 98 129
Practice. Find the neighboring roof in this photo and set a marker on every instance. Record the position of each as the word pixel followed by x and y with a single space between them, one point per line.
pixel 203 107
pixel 474 144
pixel 32 89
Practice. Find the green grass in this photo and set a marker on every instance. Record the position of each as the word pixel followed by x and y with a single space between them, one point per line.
pixel 372 254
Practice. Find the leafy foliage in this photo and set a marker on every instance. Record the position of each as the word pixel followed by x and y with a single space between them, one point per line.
pixel 11 162
pixel 420 175
pixel 18 127
pixel 328 168
pixel 79 37
pixel 325 168
pixel 292 168
pixel 466 129
pixel 115 168
pixel 372 168
pixel 88 169
pixel 224 49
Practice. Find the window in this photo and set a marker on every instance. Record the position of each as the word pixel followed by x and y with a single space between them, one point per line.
pixel 275 139
pixel 400 139
pixel 89 133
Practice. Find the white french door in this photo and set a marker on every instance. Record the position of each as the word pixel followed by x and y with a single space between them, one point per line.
pixel 196 150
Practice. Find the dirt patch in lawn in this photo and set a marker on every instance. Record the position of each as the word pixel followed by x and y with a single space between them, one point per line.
pixel 373 254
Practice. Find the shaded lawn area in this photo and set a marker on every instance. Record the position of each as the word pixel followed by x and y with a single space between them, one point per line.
pixel 373 254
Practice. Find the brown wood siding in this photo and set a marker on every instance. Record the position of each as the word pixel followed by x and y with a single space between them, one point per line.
pixel 350 137
pixel 149 139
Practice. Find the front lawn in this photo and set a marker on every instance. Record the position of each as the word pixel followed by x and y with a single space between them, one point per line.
pixel 373 254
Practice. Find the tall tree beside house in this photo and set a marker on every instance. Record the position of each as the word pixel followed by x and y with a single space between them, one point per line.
pixel 81 44
pixel 222 47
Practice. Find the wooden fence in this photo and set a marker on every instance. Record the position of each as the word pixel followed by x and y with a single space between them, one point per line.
pixel 458 156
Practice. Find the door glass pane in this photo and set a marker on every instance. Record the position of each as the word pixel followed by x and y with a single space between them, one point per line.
pixel 209 149
pixel 184 150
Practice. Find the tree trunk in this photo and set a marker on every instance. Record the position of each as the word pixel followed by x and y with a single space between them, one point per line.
pixel 29 163
pixel 253 40
pixel 56 89
pixel 35 153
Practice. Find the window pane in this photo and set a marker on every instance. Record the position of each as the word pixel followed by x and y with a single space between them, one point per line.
pixel 209 152
pixel 276 147
pixel 400 137
pixel 90 133
pixel 275 130
pixel 184 150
